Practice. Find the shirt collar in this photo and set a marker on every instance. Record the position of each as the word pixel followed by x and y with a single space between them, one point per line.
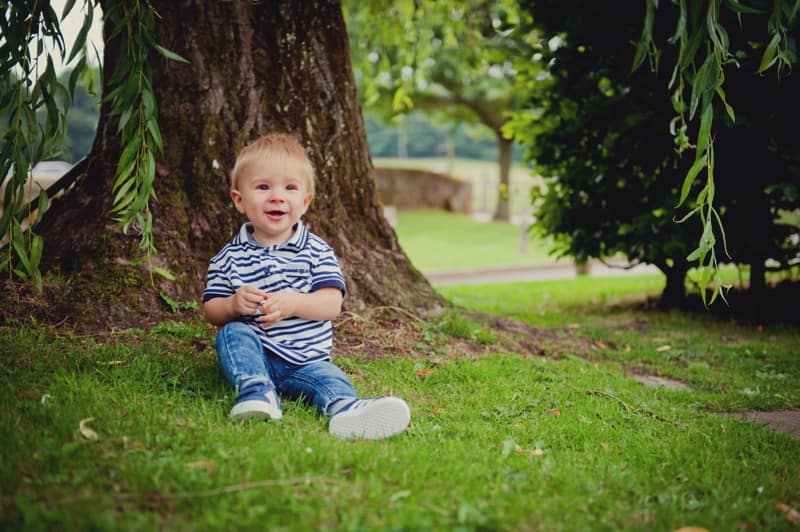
pixel 296 241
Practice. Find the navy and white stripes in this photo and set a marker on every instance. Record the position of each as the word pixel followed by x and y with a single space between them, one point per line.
pixel 304 263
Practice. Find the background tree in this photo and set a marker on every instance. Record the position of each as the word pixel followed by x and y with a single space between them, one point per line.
pixel 705 54
pixel 454 60
pixel 251 68
pixel 612 176
pixel 613 173
pixel 425 137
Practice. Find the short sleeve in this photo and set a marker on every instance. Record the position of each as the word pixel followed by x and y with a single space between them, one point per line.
pixel 217 283
pixel 326 272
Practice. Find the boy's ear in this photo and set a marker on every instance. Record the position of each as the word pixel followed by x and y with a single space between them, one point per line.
pixel 236 196
pixel 308 199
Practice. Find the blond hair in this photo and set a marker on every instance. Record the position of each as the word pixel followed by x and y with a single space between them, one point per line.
pixel 274 145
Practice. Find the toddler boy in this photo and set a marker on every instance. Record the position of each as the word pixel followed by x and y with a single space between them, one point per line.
pixel 274 290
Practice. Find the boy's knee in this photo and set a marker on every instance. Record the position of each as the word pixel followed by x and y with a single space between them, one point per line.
pixel 235 330
pixel 236 327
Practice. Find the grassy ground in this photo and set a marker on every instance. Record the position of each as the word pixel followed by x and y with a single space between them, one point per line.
pixel 439 240
pixel 130 430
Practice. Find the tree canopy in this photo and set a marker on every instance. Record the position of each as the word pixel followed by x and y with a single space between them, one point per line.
pixel 615 173
pixel 456 60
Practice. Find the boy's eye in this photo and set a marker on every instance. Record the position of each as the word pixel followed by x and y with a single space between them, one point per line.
pixel 262 187
pixel 291 187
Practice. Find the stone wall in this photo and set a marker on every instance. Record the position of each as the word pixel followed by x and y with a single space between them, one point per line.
pixel 419 189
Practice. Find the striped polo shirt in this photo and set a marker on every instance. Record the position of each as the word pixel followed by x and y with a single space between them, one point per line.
pixel 304 263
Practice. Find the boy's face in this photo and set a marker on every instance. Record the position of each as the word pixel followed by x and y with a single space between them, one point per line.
pixel 273 193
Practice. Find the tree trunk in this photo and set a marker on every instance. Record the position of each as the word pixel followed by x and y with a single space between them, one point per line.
pixel 503 212
pixel 253 68
pixel 674 293
pixel 758 278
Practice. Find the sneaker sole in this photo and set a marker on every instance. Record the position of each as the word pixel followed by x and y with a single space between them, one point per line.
pixel 255 410
pixel 381 419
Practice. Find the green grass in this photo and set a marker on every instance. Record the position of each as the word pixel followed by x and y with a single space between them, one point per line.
pixel 499 441
pixel 439 240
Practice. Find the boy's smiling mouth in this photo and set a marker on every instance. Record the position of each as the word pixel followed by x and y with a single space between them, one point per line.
pixel 275 214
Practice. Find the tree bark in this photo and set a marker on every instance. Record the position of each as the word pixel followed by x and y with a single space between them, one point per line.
pixel 503 212
pixel 674 293
pixel 758 278
pixel 281 65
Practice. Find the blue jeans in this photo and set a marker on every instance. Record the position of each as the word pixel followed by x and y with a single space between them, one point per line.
pixel 242 357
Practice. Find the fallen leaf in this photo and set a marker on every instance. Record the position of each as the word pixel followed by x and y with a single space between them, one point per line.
pixel 605 447
pixel 573 326
pixel 425 373
pixel 555 411
pixel 46 397
pixel 113 362
pixel 791 514
pixel 690 529
pixel 208 465
pixel 663 348
pixel 627 348
pixel 399 495
pixel 87 432
pixel 537 452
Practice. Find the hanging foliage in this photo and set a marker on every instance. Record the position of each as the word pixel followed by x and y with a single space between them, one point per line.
pixel 697 85
pixel 35 103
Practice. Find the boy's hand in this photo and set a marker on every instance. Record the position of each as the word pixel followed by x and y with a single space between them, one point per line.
pixel 247 299
pixel 277 306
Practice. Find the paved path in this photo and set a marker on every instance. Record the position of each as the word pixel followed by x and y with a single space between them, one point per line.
pixel 562 270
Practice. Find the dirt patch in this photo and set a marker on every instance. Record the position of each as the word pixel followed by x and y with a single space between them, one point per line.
pixel 787 421
pixel 386 332
pixel 657 380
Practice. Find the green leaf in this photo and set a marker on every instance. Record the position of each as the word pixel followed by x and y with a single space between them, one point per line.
pixel 738 7
pixel 698 165
pixel 169 54
pixel 18 242
pixel 155 133
pixel 80 40
pixel 704 134
pixel 645 43
pixel 37 246
pixel 728 108
pixel 705 80
pixel 43 204
pixel 770 53
pixel 67 8
pixel 163 273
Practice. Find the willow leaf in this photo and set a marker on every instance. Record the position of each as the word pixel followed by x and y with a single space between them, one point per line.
pixel 169 54
pixel 704 134
pixel 80 40
pixel 698 165
pixel 770 53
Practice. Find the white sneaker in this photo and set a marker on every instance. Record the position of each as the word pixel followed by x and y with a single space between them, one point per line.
pixel 371 419
pixel 257 401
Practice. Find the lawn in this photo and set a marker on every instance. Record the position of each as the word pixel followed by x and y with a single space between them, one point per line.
pixel 438 241
pixel 130 430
